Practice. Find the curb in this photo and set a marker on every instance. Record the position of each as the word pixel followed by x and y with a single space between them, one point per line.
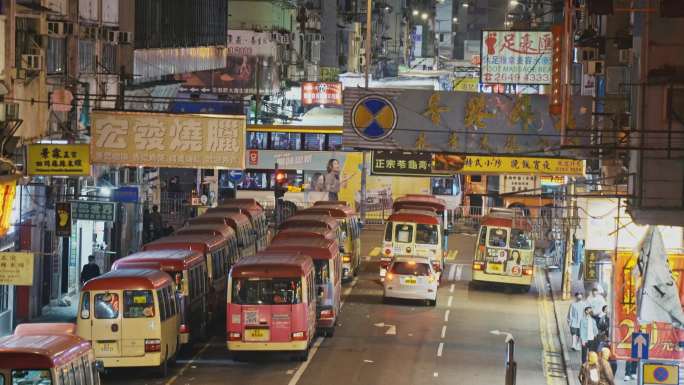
pixel 570 376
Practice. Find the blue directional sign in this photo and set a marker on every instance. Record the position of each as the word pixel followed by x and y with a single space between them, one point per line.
pixel 640 342
pixel 236 176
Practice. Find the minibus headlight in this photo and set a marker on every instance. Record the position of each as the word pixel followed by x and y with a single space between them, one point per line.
pixel 152 346
pixel 299 336
pixel 346 259
pixel 389 276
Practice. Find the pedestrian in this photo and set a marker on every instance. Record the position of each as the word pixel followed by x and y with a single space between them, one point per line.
pixel 608 360
pixel 588 333
pixel 147 229
pixel 156 222
pixel 631 370
pixel 90 270
pixel 597 302
pixel 574 318
pixel 603 324
pixel 590 372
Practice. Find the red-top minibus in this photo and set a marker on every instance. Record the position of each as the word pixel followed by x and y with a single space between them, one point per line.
pixel 239 222
pixel 45 354
pixel 220 254
pixel 271 304
pixel 328 263
pixel 295 232
pixel 208 228
pixel 188 268
pixel 256 214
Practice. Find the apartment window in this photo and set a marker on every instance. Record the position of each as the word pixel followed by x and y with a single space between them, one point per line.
pixel 334 142
pixel 56 57
pixel 109 57
pixel 86 56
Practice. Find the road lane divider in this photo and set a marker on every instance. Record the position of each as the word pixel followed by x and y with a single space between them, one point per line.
pixel 450 300
pixel 189 363
pixel 443 331
pixel 446 315
pixel 440 349
pixel 451 288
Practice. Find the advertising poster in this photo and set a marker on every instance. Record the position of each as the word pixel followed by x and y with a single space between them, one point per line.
pixel 322 93
pixel 63 219
pixel 517 57
pixel 166 140
pixel 664 339
pixel 16 268
pixel 239 77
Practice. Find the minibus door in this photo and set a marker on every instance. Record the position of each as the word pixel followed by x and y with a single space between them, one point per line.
pixel 106 317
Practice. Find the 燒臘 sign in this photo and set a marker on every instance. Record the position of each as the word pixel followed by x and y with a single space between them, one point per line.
pixel 63 219
pixel 385 162
pixel 165 140
pixel 58 159
pixel 16 268
pixel 517 57
pixel 322 93
pixel 92 211
pixel 476 164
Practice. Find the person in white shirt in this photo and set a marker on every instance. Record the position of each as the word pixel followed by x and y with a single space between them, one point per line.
pixel 574 317
pixel 588 333
pixel 597 302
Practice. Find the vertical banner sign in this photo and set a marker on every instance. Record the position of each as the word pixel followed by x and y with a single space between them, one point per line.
pixel 63 219
pixel 516 57
pixel 555 96
pixel 8 188
pixel 665 339
pixel 16 268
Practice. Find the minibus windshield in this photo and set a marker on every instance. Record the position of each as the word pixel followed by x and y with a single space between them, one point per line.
pixel 427 234
pixel 138 304
pixel 267 291
pixel 31 377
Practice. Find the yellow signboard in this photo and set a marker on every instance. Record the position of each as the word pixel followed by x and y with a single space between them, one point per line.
pixel 665 374
pixel 16 268
pixel 166 140
pixel 466 84
pixel 474 164
pixel 58 159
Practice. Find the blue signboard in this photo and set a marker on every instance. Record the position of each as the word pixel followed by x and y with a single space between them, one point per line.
pixel 640 342
pixel 236 176
pixel 125 195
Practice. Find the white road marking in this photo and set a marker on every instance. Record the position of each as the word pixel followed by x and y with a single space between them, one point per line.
pixel 289 372
pixel 368 361
pixel 452 272
pixel 443 331
pixel 451 288
pixel 300 370
pixel 439 349
pixel 435 374
pixel 450 300
pixel 446 315
pixel 459 272
pixel 186 366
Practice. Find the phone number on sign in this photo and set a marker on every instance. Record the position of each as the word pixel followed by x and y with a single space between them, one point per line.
pixel 489 77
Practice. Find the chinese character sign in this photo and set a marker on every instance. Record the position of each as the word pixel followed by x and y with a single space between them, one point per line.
pixel 518 57
pixel 401 163
pixel 58 159
pixel 164 140
pixel 322 93
pixel 92 211
pixel 664 341
pixel 16 268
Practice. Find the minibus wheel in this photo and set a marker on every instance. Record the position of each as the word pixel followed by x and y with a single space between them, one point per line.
pixel 525 289
pixel 163 369
pixel 303 355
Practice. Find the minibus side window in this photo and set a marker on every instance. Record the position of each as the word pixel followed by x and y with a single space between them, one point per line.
pixel 31 377
pixel 388 232
pixel 106 305
pixel 85 305
pixel 163 311
pixel 138 304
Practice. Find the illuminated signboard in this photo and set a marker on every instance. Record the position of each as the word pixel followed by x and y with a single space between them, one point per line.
pixel 516 57
pixel 322 93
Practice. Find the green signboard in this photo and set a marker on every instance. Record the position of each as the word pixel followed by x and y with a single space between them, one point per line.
pixel 92 211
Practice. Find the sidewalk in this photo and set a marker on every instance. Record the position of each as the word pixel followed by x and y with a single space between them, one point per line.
pixel 573 358
pixel 57 313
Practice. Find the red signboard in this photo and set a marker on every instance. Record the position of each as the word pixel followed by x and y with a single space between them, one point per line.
pixel 322 93
pixel 664 341
pixel 253 157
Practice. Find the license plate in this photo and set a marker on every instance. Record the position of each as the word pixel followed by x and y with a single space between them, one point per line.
pixel 495 268
pixel 409 281
pixel 257 335
pixel 107 347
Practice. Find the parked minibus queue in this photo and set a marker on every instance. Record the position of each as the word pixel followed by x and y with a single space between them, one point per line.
pixel 132 318
pixel 188 269
pixel 39 354
pixel 350 234
pixel 246 235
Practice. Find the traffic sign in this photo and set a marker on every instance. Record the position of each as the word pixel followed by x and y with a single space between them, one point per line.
pixel 660 373
pixel 640 343
pixel 236 176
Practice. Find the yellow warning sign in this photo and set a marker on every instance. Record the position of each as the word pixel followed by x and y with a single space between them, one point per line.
pixel 661 374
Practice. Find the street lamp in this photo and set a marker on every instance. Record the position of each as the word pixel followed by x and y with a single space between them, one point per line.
pixel 511 365
pixel 465 5
pixel 424 16
pixel 455 20
pixel 513 3
pixel 415 12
